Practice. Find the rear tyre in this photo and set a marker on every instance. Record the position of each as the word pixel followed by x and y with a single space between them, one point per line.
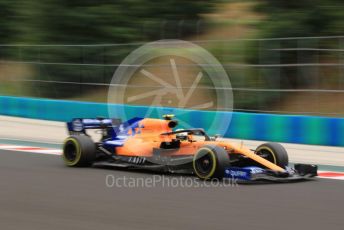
pixel 79 151
pixel 274 152
pixel 210 162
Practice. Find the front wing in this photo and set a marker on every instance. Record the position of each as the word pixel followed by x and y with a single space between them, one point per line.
pixel 298 173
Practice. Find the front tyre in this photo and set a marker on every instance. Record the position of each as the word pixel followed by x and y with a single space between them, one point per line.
pixel 274 152
pixel 210 162
pixel 79 151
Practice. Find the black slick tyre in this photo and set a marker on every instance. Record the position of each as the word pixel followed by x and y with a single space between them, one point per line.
pixel 274 152
pixel 79 151
pixel 210 161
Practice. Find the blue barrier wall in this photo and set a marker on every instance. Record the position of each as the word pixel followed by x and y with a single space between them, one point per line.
pixel 268 127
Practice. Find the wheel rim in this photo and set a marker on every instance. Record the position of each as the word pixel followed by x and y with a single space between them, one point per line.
pixel 204 164
pixel 70 151
pixel 267 155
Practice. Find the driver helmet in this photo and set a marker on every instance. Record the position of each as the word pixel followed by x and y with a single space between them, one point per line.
pixel 181 136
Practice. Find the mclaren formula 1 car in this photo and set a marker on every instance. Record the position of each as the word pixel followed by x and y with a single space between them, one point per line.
pixel 155 144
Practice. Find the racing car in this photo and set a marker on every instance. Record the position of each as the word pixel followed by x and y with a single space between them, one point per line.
pixel 156 144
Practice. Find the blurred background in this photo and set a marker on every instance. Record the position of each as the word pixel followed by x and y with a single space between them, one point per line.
pixel 281 56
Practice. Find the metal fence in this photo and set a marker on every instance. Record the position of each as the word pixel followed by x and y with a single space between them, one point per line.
pixel 300 75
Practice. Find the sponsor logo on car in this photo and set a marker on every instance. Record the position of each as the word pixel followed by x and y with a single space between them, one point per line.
pixel 238 173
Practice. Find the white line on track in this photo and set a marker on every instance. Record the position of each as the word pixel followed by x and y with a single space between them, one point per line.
pixel 31 149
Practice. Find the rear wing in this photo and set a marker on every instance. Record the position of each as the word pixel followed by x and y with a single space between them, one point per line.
pixel 79 125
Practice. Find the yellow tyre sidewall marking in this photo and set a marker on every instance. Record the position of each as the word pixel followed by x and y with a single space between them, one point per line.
pixel 78 152
pixel 271 151
pixel 212 171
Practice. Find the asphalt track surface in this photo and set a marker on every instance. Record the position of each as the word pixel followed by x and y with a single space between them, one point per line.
pixel 39 192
